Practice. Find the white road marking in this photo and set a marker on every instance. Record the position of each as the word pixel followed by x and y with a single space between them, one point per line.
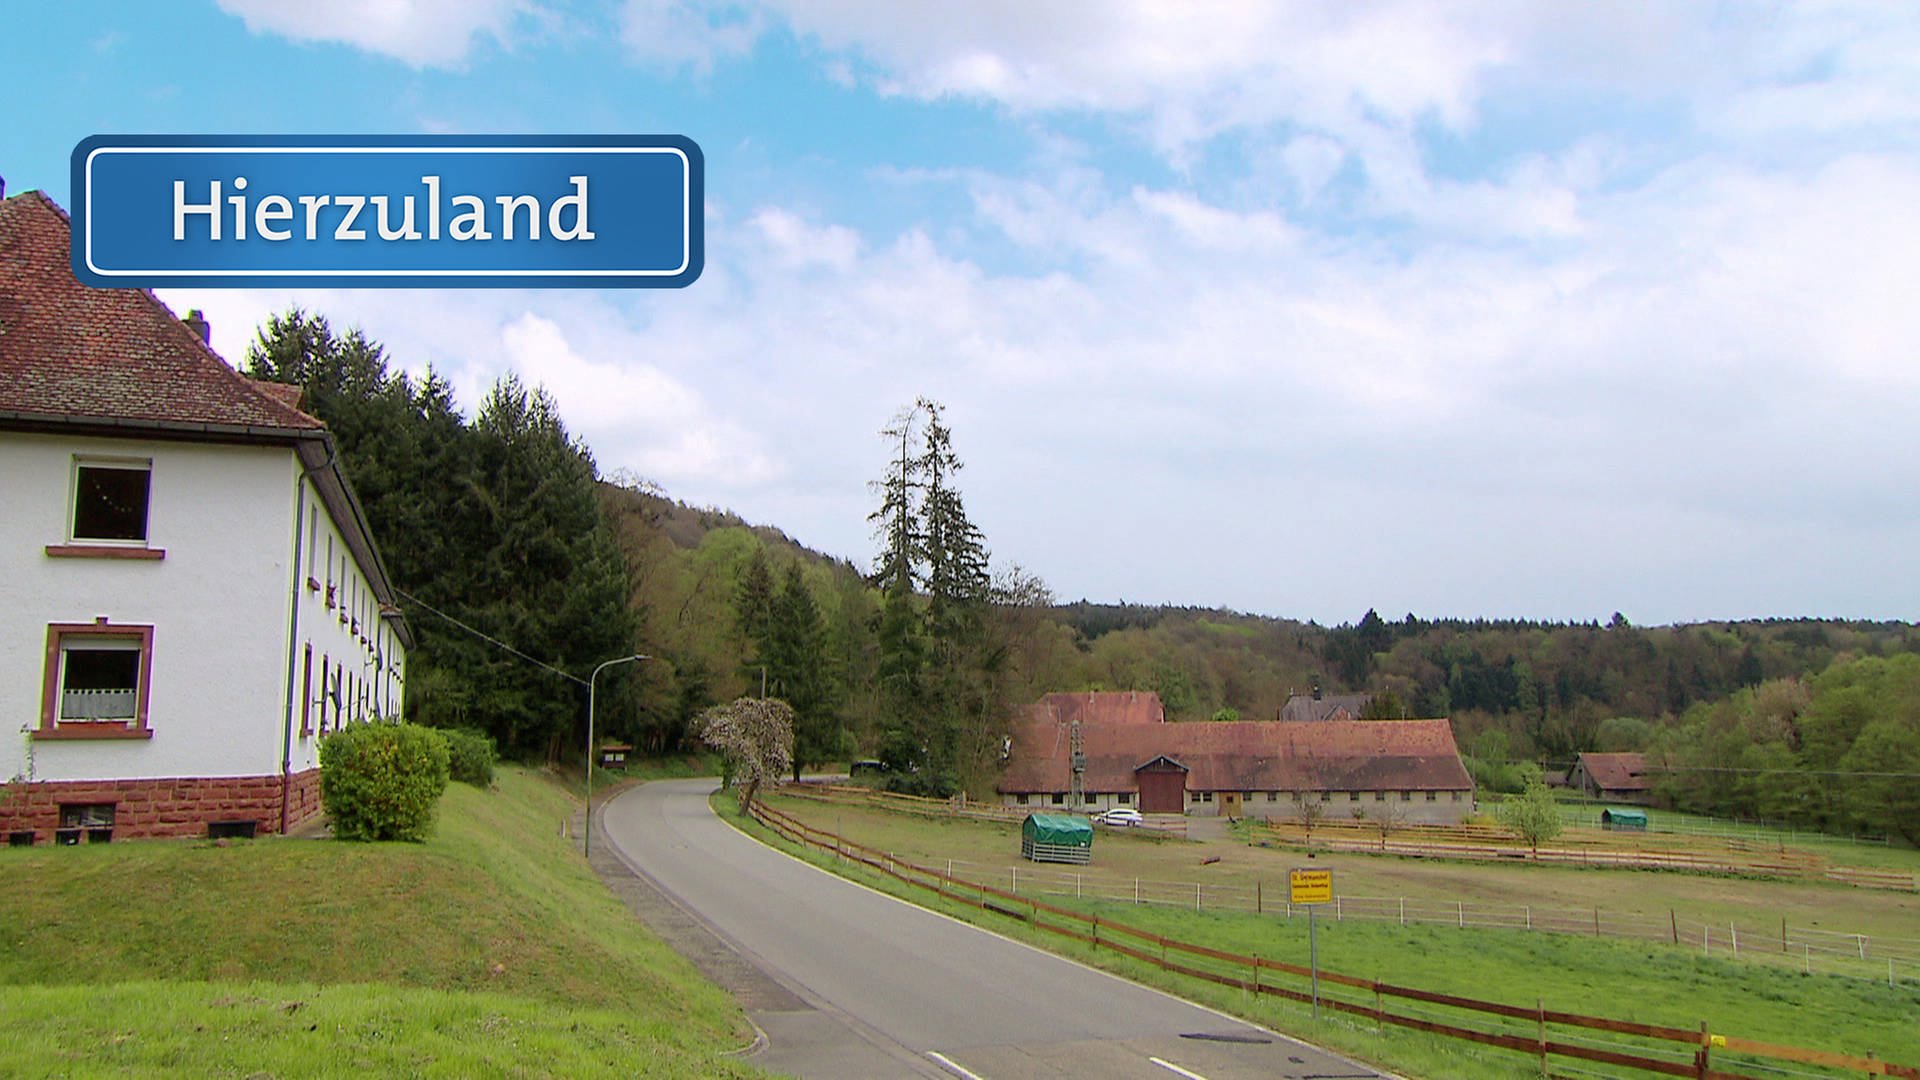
pixel 954 1067
pixel 1171 1067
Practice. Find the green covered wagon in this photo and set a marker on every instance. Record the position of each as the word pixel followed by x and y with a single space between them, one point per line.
pixel 1056 838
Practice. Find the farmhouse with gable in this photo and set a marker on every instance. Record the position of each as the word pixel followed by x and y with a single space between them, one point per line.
pixel 189 594
pixel 1613 777
pixel 1130 756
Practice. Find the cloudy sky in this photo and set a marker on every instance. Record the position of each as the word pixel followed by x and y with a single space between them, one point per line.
pixel 1498 309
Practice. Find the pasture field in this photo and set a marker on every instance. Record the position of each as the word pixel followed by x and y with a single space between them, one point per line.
pixel 1640 981
pixel 1650 894
pixel 490 949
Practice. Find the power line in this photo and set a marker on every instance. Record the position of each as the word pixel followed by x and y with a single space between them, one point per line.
pixel 489 639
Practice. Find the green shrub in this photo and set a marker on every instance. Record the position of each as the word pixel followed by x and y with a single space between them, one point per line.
pixel 471 756
pixel 381 781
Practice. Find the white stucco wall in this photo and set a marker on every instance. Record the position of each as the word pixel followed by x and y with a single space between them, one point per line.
pixel 362 647
pixel 217 603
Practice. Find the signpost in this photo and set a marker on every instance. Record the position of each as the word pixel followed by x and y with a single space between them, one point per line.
pixel 1312 887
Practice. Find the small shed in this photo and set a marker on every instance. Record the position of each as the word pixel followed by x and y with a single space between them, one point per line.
pixel 1056 838
pixel 1612 818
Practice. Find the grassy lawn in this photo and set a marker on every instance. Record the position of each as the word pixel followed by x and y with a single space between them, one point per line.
pixel 1648 982
pixel 491 948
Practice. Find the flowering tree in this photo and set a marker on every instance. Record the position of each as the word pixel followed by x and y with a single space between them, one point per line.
pixel 755 736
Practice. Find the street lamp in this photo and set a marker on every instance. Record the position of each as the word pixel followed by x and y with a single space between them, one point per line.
pixel 586 837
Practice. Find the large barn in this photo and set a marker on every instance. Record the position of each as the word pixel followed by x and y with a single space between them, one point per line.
pixel 1130 756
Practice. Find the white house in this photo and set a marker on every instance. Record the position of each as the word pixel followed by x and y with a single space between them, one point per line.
pixel 189 595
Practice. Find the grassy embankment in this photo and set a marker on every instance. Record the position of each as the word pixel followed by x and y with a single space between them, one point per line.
pixel 1648 982
pixel 490 949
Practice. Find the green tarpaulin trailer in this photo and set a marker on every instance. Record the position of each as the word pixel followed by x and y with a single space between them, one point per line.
pixel 1056 838
pixel 1611 818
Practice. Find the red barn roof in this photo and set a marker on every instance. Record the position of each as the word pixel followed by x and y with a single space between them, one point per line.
pixel 116 357
pixel 1616 772
pixel 1246 755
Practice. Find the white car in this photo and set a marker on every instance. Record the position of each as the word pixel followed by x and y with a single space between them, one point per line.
pixel 1125 816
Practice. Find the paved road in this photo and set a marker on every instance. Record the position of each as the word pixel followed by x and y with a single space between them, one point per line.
pixel 869 986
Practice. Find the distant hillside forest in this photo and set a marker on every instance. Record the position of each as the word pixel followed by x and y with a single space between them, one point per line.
pixel 505 524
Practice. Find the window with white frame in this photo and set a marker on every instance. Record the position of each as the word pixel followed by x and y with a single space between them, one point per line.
pixel 95 681
pixel 110 498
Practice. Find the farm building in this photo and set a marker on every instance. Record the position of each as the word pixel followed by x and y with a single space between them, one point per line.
pixel 1353 768
pixel 1612 777
pixel 189 594
pixel 1318 706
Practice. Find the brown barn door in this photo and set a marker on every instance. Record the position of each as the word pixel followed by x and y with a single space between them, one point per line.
pixel 1163 789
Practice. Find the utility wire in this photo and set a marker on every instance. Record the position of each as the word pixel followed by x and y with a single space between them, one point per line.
pixel 489 639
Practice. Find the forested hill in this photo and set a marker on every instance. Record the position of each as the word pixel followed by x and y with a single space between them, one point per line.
pixel 1550 688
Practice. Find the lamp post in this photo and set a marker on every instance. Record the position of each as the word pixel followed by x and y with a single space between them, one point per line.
pixel 593 688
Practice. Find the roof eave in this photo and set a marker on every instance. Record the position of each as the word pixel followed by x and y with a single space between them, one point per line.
pixel 122 427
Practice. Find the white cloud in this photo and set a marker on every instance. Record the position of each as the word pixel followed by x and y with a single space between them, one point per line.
pixel 681 33
pixel 638 414
pixel 422 33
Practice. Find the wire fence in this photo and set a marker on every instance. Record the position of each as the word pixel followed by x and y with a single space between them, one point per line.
pixel 1618 850
pixel 1779 832
pixel 1891 960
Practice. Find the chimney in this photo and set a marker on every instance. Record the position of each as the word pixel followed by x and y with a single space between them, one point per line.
pixel 196 321
pixel 3 187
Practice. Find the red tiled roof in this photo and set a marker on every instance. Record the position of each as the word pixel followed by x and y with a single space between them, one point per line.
pixel 70 353
pixel 1616 772
pixel 1103 706
pixel 1246 755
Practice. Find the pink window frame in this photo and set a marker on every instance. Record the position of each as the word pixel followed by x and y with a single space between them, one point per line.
pixel 51 726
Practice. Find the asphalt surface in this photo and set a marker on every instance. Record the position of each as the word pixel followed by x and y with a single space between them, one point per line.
pixel 846 982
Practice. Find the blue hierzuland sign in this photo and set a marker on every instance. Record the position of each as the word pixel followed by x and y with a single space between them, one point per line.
pixel 394 211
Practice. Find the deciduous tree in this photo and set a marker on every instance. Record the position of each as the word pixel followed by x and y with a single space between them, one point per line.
pixel 755 737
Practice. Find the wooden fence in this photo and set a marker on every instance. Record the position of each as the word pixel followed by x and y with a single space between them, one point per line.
pixel 1486 843
pixel 1536 1031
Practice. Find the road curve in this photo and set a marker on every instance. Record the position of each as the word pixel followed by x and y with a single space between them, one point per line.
pixel 884 988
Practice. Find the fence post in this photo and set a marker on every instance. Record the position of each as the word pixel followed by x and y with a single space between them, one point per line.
pixel 1674 921
pixel 1733 930
pixel 1529 916
pixel 1700 1056
pixel 1136 892
pixel 1596 922
pixel 1862 938
pixel 1540 1009
pixel 1196 896
pixel 1783 934
pixel 1259 907
pixel 1096 931
pixel 1076 886
pixel 1015 887
pixel 1461 908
